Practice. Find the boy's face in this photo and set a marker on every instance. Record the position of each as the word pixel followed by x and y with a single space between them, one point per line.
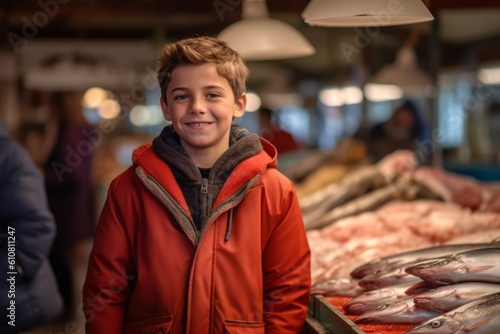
pixel 201 107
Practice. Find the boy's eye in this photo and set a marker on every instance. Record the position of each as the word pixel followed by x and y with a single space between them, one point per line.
pixel 180 97
pixel 212 95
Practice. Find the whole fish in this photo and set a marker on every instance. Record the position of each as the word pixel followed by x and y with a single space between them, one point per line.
pixel 373 298
pixel 365 202
pixel 420 287
pixel 342 287
pixel 447 297
pixel 354 184
pixel 416 255
pixel 481 265
pixel 389 276
pixel 479 316
pixel 402 311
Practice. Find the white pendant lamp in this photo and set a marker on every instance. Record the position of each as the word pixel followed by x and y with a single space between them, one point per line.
pixel 365 13
pixel 404 72
pixel 259 37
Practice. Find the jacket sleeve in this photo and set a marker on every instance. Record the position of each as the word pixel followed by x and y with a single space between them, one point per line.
pixel 286 269
pixel 24 211
pixel 110 274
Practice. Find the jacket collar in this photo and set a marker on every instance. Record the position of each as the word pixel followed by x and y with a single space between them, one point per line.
pixel 247 157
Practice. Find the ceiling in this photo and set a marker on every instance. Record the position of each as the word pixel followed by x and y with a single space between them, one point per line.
pixel 468 33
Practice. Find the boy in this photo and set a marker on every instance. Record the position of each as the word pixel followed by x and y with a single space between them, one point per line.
pixel 202 234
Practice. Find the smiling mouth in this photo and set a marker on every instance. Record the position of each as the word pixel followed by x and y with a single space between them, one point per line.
pixel 199 124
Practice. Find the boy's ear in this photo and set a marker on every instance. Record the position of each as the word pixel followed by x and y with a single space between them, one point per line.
pixel 240 106
pixel 164 109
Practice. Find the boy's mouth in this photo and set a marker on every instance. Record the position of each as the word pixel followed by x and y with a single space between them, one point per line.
pixel 199 123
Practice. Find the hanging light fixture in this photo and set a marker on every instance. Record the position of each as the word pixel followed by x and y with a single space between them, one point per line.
pixel 365 13
pixel 405 72
pixel 259 37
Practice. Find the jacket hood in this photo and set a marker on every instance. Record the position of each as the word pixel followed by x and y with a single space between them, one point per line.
pixel 202 199
pixel 237 133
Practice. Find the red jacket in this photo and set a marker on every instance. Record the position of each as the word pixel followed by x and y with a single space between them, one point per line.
pixel 149 272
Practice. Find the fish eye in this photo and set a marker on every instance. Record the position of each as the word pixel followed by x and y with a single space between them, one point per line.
pixel 381 307
pixel 443 263
pixel 435 323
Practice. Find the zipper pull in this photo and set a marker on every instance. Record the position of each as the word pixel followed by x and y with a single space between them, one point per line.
pixel 204 186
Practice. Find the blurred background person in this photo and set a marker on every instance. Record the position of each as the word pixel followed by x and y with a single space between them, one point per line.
pixel 281 139
pixel 27 230
pixel 406 129
pixel 70 193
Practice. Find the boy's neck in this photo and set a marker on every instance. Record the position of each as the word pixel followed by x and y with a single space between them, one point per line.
pixel 205 157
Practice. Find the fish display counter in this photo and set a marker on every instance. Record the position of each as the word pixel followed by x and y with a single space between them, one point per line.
pixel 441 289
pixel 313 326
pixel 425 237
pixel 329 312
pixel 331 317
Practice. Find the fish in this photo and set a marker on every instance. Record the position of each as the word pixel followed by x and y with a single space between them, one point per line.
pixel 402 311
pixel 481 265
pixel 354 184
pixel 365 202
pixel 373 298
pixel 389 276
pixel 416 255
pixel 447 297
pixel 479 316
pixel 341 287
pixel 420 287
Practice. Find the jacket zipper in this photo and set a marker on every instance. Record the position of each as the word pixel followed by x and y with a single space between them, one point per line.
pixel 227 204
pixel 204 186
pixel 204 199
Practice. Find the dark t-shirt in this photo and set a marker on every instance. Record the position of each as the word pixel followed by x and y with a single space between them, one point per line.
pixel 204 172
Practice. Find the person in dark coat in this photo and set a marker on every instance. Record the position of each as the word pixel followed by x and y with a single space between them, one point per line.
pixel 406 129
pixel 29 296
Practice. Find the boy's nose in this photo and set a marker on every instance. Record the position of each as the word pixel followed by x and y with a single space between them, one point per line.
pixel 197 105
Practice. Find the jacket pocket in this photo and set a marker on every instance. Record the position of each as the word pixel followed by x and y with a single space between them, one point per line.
pixel 244 327
pixel 160 325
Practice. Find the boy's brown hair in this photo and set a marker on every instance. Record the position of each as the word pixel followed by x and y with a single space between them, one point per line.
pixel 202 50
